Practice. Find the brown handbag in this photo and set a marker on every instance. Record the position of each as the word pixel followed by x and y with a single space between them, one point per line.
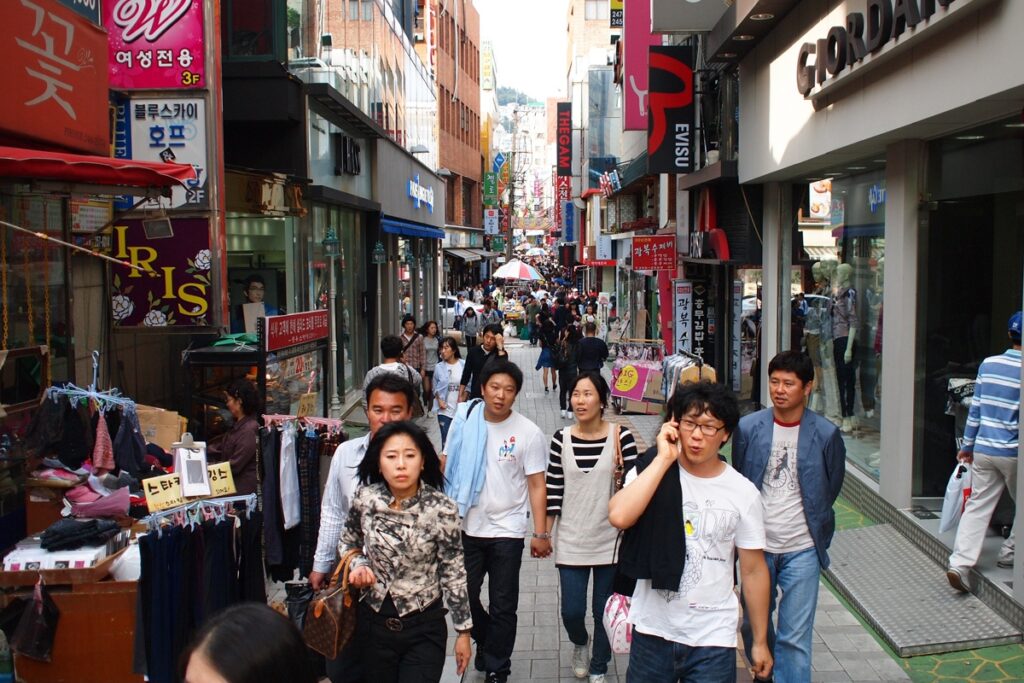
pixel 619 476
pixel 331 617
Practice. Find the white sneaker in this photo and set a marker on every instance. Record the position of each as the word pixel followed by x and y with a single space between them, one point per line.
pixel 596 678
pixel 581 660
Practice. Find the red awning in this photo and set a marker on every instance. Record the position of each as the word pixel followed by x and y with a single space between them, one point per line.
pixel 31 164
pixel 587 194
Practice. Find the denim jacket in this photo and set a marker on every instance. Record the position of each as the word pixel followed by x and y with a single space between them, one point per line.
pixel 821 466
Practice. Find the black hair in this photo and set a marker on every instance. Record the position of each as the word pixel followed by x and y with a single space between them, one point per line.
pixel 254 277
pixel 797 362
pixel 714 399
pixel 408 318
pixel 493 328
pixel 245 391
pixel 426 327
pixel 391 346
pixel 501 366
pixel 470 309
pixel 590 327
pixel 390 383
pixel 251 643
pixel 595 378
pixel 369 468
pixel 450 341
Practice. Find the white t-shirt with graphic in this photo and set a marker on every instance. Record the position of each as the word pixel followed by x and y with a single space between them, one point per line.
pixel 720 514
pixel 516 448
pixel 786 530
pixel 451 396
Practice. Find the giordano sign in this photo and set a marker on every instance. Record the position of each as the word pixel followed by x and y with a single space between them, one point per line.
pixel 867 39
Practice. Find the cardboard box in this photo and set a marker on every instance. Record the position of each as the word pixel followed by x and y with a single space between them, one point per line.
pixel 641 407
pixel 654 389
pixel 159 426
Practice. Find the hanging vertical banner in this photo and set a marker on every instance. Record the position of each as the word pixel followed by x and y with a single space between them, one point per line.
pixel 615 13
pixel 636 34
pixel 155 45
pixel 492 221
pixel 568 219
pixel 490 188
pixel 670 120
pixel 563 193
pixel 563 137
pixel 703 323
pixel 737 325
pixel 683 293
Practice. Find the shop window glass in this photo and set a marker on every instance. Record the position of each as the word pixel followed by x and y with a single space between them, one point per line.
pixel 836 305
pixel 248 28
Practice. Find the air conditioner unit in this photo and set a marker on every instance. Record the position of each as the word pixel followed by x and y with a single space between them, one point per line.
pixel 418 37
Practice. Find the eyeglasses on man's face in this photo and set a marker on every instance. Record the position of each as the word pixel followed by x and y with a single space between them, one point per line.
pixel 705 429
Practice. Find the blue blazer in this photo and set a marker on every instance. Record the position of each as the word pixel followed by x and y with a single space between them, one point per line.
pixel 821 466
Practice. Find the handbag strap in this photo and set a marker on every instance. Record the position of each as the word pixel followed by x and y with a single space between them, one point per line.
pixel 618 447
pixel 342 570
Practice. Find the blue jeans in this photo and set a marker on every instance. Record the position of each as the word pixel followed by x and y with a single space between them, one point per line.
pixel 574 582
pixel 796 575
pixel 444 422
pixel 656 660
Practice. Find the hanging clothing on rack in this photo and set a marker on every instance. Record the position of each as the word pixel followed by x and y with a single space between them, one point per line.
pixel 291 506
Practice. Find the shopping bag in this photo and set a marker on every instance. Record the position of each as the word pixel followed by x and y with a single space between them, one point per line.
pixel 34 635
pixel 619 630
pixel 331 616
pixel 958 490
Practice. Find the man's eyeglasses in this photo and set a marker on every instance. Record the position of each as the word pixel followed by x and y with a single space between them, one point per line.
pixel 706 430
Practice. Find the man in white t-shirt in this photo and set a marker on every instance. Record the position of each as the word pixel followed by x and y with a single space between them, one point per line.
pixel 797 460
pixel 494 527
pixel 687 514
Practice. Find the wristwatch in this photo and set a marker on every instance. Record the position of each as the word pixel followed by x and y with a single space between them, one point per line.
pixel 544 536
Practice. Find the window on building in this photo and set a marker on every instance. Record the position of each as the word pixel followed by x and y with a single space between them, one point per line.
pixel 467 202
pixel 595 9
pixel 353 10
pixel 367 10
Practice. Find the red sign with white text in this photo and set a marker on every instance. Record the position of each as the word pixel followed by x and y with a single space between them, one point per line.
pixel 55 76
pixel 296 328
pixel 654 252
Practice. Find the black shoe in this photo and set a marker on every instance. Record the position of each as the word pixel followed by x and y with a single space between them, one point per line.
pixel 546 390
pixel 496 678
pixel 478 661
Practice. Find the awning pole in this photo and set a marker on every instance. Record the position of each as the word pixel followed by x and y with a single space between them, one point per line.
pixel 90 252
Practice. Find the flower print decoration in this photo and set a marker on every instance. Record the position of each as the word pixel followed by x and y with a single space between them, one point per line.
pixel 122 306
pixel 155 318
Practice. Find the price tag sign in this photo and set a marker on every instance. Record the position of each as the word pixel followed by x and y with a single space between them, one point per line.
pixel 165 492
pixel 307 404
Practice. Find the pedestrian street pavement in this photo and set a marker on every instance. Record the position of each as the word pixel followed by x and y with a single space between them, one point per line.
pixel 844 649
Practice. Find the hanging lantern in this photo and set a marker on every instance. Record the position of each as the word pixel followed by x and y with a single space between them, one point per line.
pixel 379 256
pixel 407 255
pixel 331 243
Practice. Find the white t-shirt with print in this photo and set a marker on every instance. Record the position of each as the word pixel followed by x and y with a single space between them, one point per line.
pixel 451 396
pixel 720 514
pixel 786 530
pixel 516 448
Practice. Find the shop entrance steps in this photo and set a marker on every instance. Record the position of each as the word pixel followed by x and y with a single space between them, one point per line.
pixel 904 595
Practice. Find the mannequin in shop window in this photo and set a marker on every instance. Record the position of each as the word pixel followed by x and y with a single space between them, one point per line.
pixel 817 331
pixel 254 290
pixel 844 341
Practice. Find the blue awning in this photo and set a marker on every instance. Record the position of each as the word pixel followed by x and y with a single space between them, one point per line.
pixel 410 229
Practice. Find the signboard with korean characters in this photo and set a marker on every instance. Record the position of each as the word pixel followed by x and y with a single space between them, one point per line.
pixel 55 86
pixel 654 252
pixel 492 221
pixel 683 296
pixel 168 129
pixel 155 44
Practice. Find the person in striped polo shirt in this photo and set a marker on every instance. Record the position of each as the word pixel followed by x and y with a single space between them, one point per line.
pixel 990 446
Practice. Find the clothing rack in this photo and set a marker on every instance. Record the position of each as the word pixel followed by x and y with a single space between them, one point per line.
pixel 195 512
pixel 332 425
pixel 111 398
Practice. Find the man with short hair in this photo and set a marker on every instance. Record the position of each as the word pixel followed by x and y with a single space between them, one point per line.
pixel 389 398
pixel 495 467
pixel 990 448
pixel 686 514
pixel 593 351
pixel 797 460
pixel 460 308
pixel 490 315
pixel 532 309
pixel 492 346
pixel 391 363
pixel 414 353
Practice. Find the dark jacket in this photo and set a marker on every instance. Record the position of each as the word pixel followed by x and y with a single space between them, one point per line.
pixel 239 448
pixel 655 547
pixel 593 353
pixel 820 467
pixel 476 359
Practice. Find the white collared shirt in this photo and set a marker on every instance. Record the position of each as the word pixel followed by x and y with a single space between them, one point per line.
pixel 342 482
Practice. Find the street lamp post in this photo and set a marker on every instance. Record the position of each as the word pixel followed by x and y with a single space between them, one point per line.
pixel 378 258
pixel 332 247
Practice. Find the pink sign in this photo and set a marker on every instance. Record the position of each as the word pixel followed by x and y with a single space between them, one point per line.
pixel 155 44
pixel 630 382
pixel 637 36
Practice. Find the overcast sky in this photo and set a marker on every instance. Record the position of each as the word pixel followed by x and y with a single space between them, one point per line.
pixel 529 43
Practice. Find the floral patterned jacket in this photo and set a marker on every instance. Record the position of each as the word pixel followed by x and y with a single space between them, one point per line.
pixel 415 553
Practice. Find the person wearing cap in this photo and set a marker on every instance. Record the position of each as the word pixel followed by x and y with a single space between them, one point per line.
pixel 990 447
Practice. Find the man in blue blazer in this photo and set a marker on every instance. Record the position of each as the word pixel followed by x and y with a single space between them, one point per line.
pixel 797 460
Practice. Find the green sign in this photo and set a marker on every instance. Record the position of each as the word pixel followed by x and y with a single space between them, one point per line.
pixel 490 188
pixel 498 243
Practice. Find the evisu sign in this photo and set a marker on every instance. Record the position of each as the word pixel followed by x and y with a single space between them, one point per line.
pixel 564 138
pixel 865 39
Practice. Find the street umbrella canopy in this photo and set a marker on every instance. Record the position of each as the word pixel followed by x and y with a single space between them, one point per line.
pixel 517 270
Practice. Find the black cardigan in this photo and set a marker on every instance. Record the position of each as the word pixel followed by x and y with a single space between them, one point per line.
pixel 655 547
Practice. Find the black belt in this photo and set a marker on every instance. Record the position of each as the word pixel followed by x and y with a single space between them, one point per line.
pixel 398 624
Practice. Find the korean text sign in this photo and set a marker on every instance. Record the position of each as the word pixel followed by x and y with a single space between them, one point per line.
pixel 155 44
pixel 631 382
pixel 296 328
pixel 683 295
pixel 55 75
pixel 175 289
pixel 654 252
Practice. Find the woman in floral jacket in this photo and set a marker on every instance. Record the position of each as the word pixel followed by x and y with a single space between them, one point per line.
pixel 410 533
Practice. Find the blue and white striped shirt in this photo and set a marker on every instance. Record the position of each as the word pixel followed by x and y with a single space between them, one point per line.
pixel 995 409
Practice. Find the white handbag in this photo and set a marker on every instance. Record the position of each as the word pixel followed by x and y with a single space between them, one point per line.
pixel 619 630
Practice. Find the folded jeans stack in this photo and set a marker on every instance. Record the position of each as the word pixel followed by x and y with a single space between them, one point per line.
pixel 69 534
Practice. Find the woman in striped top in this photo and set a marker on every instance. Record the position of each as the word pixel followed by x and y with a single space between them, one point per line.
pixel 580 482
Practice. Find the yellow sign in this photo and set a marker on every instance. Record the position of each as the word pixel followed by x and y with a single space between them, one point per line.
pixel 307 404
pixel 165 492
pixel 628 378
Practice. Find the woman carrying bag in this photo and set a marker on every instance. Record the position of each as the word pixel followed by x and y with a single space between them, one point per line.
pixel 587 462
pixel 410 533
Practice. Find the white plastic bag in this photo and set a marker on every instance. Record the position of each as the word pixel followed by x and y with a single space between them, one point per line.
pixel 619 630
pixel 958 490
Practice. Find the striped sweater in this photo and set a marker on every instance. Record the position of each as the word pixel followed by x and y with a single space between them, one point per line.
pixel 995 409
